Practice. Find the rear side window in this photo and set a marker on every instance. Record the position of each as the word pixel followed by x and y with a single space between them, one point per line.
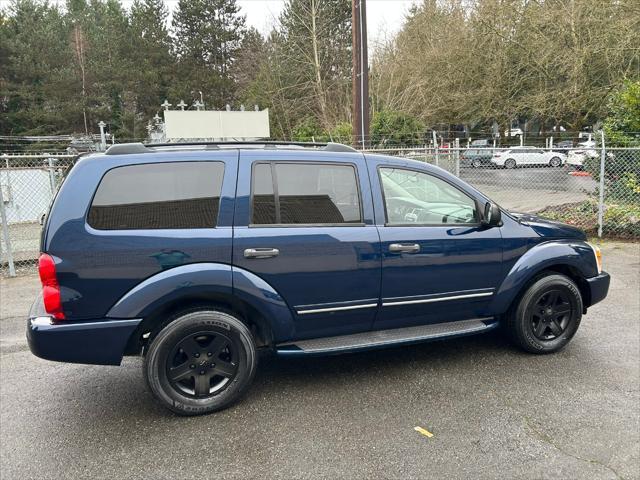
pixel 304 194
pixel 158 195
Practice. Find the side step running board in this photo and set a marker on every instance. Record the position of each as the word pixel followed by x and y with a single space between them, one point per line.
pixel 384 338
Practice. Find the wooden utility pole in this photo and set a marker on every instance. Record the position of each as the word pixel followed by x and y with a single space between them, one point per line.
pixel 360 74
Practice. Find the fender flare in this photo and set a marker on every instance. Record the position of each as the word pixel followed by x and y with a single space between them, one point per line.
pixel 205 279
pixel 576 254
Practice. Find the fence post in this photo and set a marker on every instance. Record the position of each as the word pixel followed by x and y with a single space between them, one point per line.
pixel 457 157
pixel 52 179
pixel 103 138
pixel 435 146
pixel 7 240
pixel 603 157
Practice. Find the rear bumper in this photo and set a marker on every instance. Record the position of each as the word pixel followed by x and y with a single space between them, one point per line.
pixel 99 342
pixel 598 287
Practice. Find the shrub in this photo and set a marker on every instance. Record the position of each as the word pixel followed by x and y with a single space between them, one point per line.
pixel 621 127
pixel 342 133
pixel 307 131
pixel 396 128
pixel 620 220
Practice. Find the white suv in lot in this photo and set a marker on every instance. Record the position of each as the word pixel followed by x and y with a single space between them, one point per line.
pixel 519 156
pixel 584 151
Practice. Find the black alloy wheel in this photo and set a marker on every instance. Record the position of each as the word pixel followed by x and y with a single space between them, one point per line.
pixel 202 364
pixel 201 361
pixel 547 315
pixel 551 314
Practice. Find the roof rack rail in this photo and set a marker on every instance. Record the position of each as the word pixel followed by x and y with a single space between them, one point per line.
pixel 138 147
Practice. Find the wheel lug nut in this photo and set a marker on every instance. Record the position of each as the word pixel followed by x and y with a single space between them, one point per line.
pixel 192 366
pixel 196 355
pixel 209 354
pixel 201 372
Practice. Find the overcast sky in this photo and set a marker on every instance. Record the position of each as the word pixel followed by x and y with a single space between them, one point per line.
pixel 384 17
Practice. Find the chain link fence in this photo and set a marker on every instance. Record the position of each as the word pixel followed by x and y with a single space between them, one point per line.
pixel 596 189
pixel 28 182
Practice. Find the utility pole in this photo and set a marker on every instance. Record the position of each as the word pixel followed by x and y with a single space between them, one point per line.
pixel 360 74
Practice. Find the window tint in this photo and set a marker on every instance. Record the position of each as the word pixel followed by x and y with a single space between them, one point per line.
pixel 159 195
pixel 264 201
pixel 420 198
pixel 305 194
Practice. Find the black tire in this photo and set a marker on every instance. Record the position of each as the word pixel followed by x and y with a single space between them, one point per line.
pixel 547 316
pixel 199 344
pixel 476 163
pixel 555 162
pixel 510 163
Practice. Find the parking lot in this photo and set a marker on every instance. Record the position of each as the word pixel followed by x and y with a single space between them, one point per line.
pixel 530 189
pixel 494 412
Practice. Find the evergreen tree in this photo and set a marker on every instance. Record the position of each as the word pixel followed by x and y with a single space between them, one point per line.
pixel 208 34
pixel 151 53
pixel 33 44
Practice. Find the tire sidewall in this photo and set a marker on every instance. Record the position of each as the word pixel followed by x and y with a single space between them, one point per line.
pixel 524 329
pixel 192 322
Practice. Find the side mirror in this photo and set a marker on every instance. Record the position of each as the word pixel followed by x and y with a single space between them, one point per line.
pixel 492 216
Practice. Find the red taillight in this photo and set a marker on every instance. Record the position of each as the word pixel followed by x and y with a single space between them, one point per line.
pixel 50 287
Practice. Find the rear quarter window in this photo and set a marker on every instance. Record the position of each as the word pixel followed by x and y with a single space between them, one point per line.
pixel 158 196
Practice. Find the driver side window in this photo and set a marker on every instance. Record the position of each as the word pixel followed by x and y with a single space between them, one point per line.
pixel 413 197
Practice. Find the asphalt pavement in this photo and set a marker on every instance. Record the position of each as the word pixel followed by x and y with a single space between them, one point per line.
pixel 493 411
pixel 530 189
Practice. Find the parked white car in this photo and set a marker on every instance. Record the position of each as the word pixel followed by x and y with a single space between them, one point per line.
pixel 519 156
pixel 513 132
pixel 584 150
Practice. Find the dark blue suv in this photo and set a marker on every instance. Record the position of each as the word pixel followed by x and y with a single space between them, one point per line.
pixel 199 256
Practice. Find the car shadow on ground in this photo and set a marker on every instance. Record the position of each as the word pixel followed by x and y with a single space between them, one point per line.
pixel 115 394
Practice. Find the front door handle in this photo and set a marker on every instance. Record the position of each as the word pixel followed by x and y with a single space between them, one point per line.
pixel 261 252
pixel 404 247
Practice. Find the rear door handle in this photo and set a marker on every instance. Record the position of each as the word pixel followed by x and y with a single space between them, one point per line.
pixel 261 252
pixel 404 247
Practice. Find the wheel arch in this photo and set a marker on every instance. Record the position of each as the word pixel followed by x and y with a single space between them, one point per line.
pixel 205 285
pixel 569 258
pixel 158 317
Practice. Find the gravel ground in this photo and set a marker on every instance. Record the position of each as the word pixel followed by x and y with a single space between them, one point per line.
pixel 494 412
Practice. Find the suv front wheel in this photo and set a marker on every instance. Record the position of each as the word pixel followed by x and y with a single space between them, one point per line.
pixel 547 316
pixel 201 362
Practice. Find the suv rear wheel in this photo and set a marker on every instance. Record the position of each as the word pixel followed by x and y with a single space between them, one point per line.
pixel 547 316
pixel 201 362
pixel 510 163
